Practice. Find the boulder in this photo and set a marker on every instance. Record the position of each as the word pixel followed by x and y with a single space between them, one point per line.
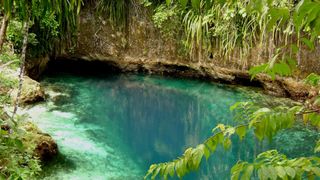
pixel 45 146
pixel 31 91
pixel 298 90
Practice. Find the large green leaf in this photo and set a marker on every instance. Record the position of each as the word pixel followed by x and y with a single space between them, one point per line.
pixel 183 3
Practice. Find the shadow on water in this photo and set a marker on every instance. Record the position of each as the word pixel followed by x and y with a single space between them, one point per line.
pixel 61 161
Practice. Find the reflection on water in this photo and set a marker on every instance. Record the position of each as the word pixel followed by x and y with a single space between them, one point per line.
pixel 116 127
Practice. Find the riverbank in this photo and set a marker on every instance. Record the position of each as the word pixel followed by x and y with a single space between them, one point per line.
pixel 23 146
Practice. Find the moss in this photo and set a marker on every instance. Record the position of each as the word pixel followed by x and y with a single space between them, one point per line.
pixel 45 147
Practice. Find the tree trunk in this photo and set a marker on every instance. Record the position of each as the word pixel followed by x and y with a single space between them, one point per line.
pixel 3 29
pixel 22 66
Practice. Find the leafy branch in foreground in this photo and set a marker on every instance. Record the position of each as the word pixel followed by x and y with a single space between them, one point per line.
pixel 272 165
pixel 265 123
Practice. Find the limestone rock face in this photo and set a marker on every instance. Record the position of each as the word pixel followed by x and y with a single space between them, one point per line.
pixel 36 66
pixel 31 91
pixel 297 90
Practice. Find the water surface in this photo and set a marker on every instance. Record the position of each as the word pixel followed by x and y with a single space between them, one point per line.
pixel 115 127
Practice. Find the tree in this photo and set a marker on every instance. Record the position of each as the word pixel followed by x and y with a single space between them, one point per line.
pixel 22 64
pixel 3 29
pixel 34 9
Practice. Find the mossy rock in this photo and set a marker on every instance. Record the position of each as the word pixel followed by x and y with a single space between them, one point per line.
pixel 45 146
pixel 31 92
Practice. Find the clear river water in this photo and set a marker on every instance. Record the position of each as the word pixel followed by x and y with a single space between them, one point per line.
pixel 114 127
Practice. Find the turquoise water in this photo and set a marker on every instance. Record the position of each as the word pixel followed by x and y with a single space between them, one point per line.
pixel 115 127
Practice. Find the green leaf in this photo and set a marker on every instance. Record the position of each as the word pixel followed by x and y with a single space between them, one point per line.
pixel 294 48
pixel 227 143
pixel 241 131
pixel 222 127
pixel 212 143
pixel 195 4
pixel 312 79
pixel 197 156
pixel 181 168
pixel 290 171
pixel 253 71
pixel 188 153
pixel 168 2
pixel 317 149
pixel 183 3
pixel 281 172
pixel 316 171
pixel 206 152
pixel 19 144
pixel 263 173
pixel 309 43
pixel 259 132
pixel 170 169
pixel 272 173
pixel 278 15
pixel 236 170
pixel 155 173
pixel 235 106
pixel 150 171
pixel 247 172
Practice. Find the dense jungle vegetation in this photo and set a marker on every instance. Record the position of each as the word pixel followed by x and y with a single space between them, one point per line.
pixel 277 29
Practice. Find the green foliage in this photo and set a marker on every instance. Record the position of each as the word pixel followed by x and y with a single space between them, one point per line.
pixel 313 118
pixel 317 148
pixel 48 32
pixel 283 68
pixel 312 79
pixel 7 82
pixel 192 157
pixel 307 18
pixel 167 19
pixel 117 11
pixel 15 35
pixel 16 158
pixel 272 165
pixel 54 22
pixel 9 58
pixel 220 28
pixel 265 122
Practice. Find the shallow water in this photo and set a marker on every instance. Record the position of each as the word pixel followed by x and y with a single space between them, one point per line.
pixel 115 127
